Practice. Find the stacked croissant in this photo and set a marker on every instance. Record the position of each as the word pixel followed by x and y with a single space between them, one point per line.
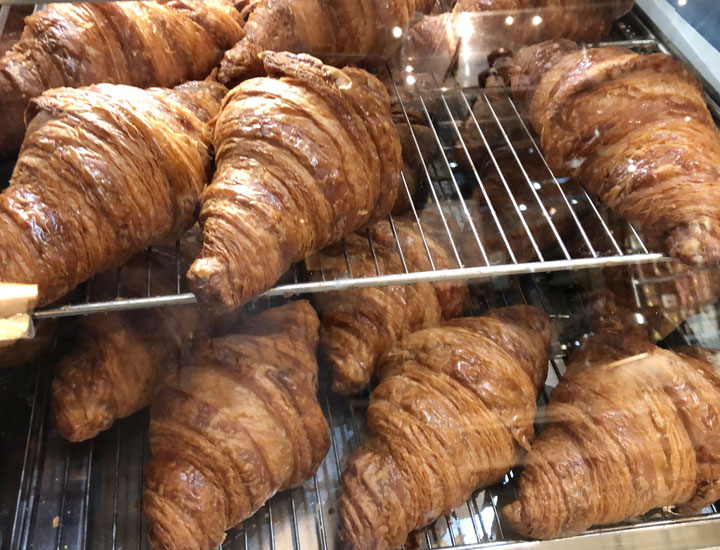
pixel 127 140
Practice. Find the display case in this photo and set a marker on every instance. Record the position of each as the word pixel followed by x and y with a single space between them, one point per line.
pixel 476 180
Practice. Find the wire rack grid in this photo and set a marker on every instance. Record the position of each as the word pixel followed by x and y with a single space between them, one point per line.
pixel 481 180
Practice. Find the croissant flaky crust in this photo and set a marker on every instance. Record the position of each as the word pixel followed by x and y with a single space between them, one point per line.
pixel 631 427
pixel 635 130
pixel 304 157
pixel 359 325
pixel 137 43
pixel 104 172
pixel 240 423
pixel 357 27
pixel 454 408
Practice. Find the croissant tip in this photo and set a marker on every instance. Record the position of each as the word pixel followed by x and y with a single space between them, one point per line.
pixel 208 280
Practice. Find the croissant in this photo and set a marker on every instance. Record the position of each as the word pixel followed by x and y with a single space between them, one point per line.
pixel 357 27
pixel 104 172
pixel 240 423
pixel 303 158
pixel 478 27
pixel 631 427
pixel 119 359
pixel 633 129
pixel 359 325
pixel 137 43
pixel 453 411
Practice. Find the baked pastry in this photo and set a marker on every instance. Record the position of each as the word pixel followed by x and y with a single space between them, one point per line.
pixel 359 325
pixel 635 130
pixel 631 427
pixel 240 423
pixel 358 27
pixel 478 27
pixel 119 359
pixel 104 172
pixel 304 157
pixel 137 43
pixel 453 411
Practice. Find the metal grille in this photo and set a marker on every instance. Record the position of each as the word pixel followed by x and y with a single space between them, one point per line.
pixel 89 495
pixel 531 220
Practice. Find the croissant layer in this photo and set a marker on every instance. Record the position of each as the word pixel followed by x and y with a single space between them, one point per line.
pixel 635 130
pixel 239 423
pixel 137 43
pixel 304 157
pixel 631 427
pixel 105 171
pixel 452 412
pixel 358 326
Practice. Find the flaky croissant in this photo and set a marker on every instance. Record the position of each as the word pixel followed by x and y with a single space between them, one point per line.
pixel 304 157
pixel 357 27
pixel 119 359
pixel 359 325
pixel 631 427
pixel 454 408
pixel 240 423
pixel 635 130
pixel 104 172
pixel 137 43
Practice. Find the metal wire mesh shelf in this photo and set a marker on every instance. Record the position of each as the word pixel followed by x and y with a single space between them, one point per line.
pixel 481 180
pixel 89 495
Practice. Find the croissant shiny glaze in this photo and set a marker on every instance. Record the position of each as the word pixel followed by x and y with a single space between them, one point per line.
pixel 239 423
pixel 635 130
pixel 137 43
pixel 104 172
pixel 631 427
pixel 453 410
pixel 357 27
pixel 304 157
pixel 359 325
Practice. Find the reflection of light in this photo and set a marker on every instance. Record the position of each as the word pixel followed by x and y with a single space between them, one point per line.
pixel 523 208
pixel 574 201
pixel 536 185
pixel 466 27
pixel 443 89
pixel 640 318
pixel 397 32
pixel 536 20
pixel 688 119
pixel 409 68
pixel 453 165
pixel 682 2
pixel 411 80
pixel 632 168
pixel 509 20
pixel 553 211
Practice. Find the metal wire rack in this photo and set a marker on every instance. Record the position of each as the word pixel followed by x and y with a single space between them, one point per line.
pixel 481 180
pixel 89 495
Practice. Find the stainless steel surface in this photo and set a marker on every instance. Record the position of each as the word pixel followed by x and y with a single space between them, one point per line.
pixel 89 495
pixel 450 175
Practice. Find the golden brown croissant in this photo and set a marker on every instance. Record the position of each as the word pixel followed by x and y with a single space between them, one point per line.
pixel 631 427
pixel 359 325
pixel 653 299
pixel 454 408
pixel 635 130
pixel 478 27
pixel 137 43
pixel 303 158
pixel 104 172
pixel 357 27
pixel 119 359
pixel 240 423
